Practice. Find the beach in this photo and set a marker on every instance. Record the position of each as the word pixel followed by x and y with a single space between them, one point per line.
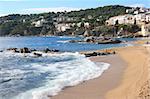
pixel 96 88
pixel 135 75
pixel 116 72
pixel 127 77
pixel 36 73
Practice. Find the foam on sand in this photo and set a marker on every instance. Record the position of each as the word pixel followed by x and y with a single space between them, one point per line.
pixel 58 71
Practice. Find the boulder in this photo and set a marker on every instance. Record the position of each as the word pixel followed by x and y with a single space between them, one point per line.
pixel 33 50
pixel 48 50
pixel 25 50
pixel 99 53
pixel 54 50
pixel 109 42
pixel 13 49
pixel 37 54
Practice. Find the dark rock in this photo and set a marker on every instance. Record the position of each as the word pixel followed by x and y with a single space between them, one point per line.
pixel 91 54
pixel 114 52
pixel 13 49
pixel 48 50
pixel 37 54
pixel 33 50
pixel 5 81
pixel 9 49
pixel 24 50
pixel 99 54
pixel 94 53
pixel 54 50
pixel 109 42
pixel 72 41
pixel 103 54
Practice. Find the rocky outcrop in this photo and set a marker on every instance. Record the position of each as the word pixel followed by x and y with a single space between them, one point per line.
pixel 97 40
pixel 25 50
pixel 13 49
pixel 109 42
pixel 99 53
pixel 47 50
pixel 37 54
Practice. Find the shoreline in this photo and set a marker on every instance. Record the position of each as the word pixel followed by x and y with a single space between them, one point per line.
pixel 127 70
pixel 131 74
pixel 105 81
pixel 135 75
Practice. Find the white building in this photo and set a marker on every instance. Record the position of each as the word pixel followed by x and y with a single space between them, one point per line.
pixel 62 27
pixel 129 19
pixel 145 30
pixel 86 25
pixel 147 17
pixel 122 19
pixel 79 24
pixel 64 19
pixel 38 23
pixel 140 17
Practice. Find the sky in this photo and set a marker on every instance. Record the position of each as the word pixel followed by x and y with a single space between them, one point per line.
pixel 40 6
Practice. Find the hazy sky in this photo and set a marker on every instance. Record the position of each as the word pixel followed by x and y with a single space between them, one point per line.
pixel 38 6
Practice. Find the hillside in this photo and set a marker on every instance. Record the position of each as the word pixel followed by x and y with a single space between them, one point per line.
pixel 23 25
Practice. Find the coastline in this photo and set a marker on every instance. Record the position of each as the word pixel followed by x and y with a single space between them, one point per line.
pixel 129 69
pixel 97 88
pixel 135 75
pixel 126 83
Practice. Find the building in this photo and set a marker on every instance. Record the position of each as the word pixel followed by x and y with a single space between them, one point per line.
pixel 145 29
pixel 79 24
pixel 122 19
pixel 39 23
pixel 61 27
pixel 87 25
pixel 147 17
pixel 64 19
pixel 129 19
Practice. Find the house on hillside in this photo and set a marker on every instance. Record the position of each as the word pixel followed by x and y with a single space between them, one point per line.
pixel 122 19
pixel 39 23
pixel 64 19
pixel 129 19
pixel 145 29
pixel 61 27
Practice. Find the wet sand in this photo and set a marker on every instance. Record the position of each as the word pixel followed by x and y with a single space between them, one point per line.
pixel 97 88
pixel 127 77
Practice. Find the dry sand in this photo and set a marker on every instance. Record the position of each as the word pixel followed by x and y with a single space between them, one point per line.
pixel 135 77
pixel 96 88
pixel 127 78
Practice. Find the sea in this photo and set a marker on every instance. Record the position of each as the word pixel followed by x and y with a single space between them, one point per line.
pixel 23 76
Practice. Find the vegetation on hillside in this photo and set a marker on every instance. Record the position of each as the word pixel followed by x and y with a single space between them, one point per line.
pixel 17 24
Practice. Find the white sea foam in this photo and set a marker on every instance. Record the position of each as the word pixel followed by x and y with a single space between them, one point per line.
pixel 72 73
pixel 66 37
pixel 66 69
pixel 66 41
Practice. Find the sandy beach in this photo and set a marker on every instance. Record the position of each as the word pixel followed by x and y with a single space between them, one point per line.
pixel 135 76
pixel 96 88
pixel 127 77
